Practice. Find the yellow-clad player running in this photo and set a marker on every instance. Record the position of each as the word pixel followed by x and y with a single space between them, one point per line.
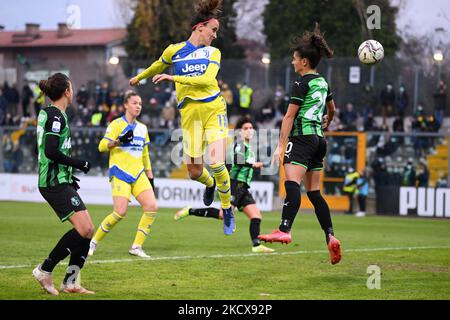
pixel 130 173
pixel 203 111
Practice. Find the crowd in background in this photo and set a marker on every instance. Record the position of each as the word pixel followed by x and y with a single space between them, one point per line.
pixel 385 112
pixel 98 107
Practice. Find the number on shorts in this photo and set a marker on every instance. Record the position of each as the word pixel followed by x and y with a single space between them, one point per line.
pixel 289 147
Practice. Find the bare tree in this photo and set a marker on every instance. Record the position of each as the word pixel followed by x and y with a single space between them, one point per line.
pixel 249 22
pixel 123 10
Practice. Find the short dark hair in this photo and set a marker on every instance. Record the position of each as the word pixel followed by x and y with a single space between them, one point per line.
pixel 243 120
pixel 55 86
pixel 313 46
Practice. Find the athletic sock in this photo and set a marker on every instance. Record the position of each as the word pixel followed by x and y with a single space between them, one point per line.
pixel 322 212
pixel 223 184
pixel 206 179
pixel 77 260
pixel 255 227
pixel 147 220
pixel 291 205
pixel 68 243
pixel 205 213
pixel 106 226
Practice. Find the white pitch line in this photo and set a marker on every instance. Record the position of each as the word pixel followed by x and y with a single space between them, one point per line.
pixel 224 256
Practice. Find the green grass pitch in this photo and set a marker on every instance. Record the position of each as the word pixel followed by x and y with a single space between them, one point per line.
pixel 192 259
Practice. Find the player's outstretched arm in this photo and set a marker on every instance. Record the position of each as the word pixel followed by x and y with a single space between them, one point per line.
pixel 53 153
pixel 156 68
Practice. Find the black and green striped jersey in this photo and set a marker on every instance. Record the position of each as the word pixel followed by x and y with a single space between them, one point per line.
pixel 310 92
pixel 244 159
pixel 51 121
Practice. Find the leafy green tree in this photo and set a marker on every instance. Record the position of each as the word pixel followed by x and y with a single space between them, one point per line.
pixel 342 21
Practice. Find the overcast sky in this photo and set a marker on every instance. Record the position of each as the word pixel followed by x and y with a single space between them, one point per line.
pixel 421 15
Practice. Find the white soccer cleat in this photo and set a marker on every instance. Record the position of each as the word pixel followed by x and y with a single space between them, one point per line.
pixel 360 214
pixel 45 280
pixel 138 252
pixel 92 248
pixel 74 288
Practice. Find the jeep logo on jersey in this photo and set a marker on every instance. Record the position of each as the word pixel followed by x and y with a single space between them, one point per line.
pixel 194 68
pixel 139 143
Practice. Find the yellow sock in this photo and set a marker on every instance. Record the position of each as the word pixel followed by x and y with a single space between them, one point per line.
pixel 147 220
pixel 106 226
pixel 223 184
pixel 206 179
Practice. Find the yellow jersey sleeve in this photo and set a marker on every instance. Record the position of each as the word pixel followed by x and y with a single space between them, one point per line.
pixel 146 154
pixel 112 133
pixel 207 78
pixel 160 65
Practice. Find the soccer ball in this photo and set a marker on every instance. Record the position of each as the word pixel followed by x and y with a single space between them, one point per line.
pixel 370 52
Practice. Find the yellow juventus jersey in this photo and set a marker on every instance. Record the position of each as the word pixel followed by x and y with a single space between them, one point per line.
pixel 195 71
pixel 127 161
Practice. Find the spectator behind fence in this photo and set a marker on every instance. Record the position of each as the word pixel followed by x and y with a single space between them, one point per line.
pixel 402 101
pixel 83 96
pixel 350 187
pixel 409 175
pixel 387 98
pixel 440 102
pixel 168 117
pixel 12 153
pixel 3 107
pixel 362 185
pixel 102 94
pixel 349 117
pixel 39 100
pixel 27 96
pixel 13 98
pixel 267 112
pixel 423 175
pixel 245 99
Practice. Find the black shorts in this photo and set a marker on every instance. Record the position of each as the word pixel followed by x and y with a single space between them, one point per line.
pixel 306 151
pixel 240 196
pixel 64 200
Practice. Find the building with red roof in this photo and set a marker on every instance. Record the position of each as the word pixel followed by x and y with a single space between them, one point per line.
pixel 84 54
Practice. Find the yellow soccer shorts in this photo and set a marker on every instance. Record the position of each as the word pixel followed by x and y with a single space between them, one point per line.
pixel 122 189
pixel 203 123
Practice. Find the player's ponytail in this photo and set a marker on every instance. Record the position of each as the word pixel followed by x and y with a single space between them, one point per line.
pixel 55 86
pixel 313 46
pixel 206 10
pixel 318 41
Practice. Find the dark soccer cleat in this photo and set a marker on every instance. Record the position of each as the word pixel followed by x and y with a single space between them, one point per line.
pixel 208 196
pixel 276 236
pixel 229 226
pixel 334 247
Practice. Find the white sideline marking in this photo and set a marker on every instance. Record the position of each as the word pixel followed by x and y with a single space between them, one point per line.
pixel 222 256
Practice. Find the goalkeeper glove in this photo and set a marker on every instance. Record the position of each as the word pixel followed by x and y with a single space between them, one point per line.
pixel 127 137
